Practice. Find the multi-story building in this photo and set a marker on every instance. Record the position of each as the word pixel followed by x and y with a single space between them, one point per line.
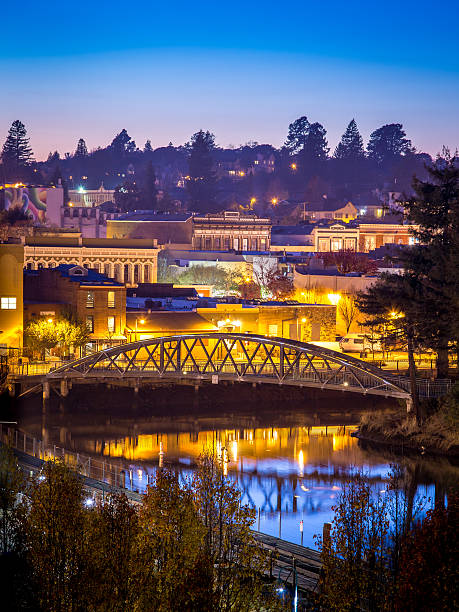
pixel 94 298
pixel 362 237
pixel 330 209
pixel 127 261
pixel 231 230
pixel 91 197
pixel 164 228
pixel 11 295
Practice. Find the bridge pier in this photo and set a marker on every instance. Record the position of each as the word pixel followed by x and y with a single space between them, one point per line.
pixel 46 390
pixel 64 387
pixel 409 404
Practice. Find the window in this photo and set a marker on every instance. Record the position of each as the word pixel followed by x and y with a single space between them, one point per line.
pixel 208 244
pixel 136 273
pixel 126 273
pixel 146 273
pixel 90 299
pixel 111 299
pixel 236 244
pixel 217 243
pixel 107 269
pixel 111 324
pixel 245 245
pixel 263 244
pixel 90 323
pixel 8 303
pixel 272 330
pixel 227 243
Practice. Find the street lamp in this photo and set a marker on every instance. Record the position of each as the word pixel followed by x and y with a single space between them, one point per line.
pixel 334 298
pixel 142 322
pixel 293 166
pixel 274 201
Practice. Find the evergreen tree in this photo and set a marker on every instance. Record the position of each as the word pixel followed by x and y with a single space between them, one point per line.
pixel 201 182
pixel 388 142
pixel 53 158
pixel 316 146
pixel 127 196
pixel 122 143
pixel 147 147
pixel 298 133
pixel 351 144
pixel 16 152
pixel 82 149
pixel 149 191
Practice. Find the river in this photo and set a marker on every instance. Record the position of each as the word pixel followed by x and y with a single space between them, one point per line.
pixel 290 458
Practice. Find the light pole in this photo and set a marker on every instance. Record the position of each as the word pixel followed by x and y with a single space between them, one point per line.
pixel 142 322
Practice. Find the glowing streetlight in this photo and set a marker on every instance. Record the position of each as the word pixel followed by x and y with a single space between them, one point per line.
pixel 334 298
pixel 253 201
pixel 274 201
pixel 293 166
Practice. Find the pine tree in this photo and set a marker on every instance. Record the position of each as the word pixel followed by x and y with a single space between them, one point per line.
pixel 298 133
pixel 82 149
pixel 201 182
pixel 351 144
pixel 16 152
pixel 147 147
pixel 316 146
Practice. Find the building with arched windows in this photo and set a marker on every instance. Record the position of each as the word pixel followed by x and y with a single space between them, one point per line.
pixel 127 261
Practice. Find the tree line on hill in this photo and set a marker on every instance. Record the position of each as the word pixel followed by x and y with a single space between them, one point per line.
pixel 197 174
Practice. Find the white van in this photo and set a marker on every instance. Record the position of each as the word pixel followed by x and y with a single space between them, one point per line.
pixel 359 343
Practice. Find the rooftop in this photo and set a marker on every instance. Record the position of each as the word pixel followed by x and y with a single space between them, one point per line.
pixel 78 274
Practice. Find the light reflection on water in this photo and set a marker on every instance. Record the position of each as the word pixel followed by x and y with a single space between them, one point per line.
pixel 289 472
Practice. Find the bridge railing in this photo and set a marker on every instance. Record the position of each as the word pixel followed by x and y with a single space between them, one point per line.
pixel 98 469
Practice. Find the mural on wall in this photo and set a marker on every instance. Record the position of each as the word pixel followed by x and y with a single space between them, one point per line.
pixel 31 201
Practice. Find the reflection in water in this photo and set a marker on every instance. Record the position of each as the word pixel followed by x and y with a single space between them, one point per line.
pixel 290 472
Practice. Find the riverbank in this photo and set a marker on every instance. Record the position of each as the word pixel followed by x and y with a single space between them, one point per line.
pixel 438 435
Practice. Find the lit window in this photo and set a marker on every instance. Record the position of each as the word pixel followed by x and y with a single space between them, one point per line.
pixel 90 324
pixel 111 324
pixel 90 299
pixel 272 330
pixel 8 303
pixel 111 299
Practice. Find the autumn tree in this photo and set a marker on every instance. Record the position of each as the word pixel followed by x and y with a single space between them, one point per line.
pixel 57 543
pixel 173 571
pixel 237 560
pixel 355 574
pixel 280 286
pixel 113 529
pixel 348 310
pixel 249 290
pixel 347 260
pixel 429 574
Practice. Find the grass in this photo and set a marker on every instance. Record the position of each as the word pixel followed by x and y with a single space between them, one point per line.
pixel 440 430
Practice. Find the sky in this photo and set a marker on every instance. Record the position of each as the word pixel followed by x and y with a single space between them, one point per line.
pixel 242 70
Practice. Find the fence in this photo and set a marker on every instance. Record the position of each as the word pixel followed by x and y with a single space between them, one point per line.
pixel 111 474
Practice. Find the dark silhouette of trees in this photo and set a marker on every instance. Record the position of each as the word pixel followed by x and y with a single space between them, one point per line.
pixel 147 147
pixel 128 196
pixel 388 143
pixel 82 149
pixel 149 190
pixel 17 154
pixel 350 146
pixel 298 133
pixel 201 182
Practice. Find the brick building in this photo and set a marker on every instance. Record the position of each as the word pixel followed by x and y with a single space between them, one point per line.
pixel 94 298
pixel 231 230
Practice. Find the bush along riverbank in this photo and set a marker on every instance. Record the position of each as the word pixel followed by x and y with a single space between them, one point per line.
pixel 438 433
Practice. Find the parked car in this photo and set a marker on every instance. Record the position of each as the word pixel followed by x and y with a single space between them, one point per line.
pixel 359 343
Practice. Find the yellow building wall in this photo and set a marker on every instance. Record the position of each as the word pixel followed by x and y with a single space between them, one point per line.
pixel 11 286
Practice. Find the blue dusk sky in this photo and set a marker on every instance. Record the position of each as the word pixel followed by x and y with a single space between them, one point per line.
pixel 241 70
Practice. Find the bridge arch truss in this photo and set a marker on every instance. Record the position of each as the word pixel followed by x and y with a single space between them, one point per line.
pixel 240 357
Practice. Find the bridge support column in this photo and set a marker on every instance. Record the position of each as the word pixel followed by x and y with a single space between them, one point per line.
pixel 64 387
pixel 409 404
pixel 46 390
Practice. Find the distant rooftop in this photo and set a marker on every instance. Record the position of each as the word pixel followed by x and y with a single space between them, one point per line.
pixel 149 215
pixel 79 274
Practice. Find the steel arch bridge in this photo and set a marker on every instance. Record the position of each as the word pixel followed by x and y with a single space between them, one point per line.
pixel 232 356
